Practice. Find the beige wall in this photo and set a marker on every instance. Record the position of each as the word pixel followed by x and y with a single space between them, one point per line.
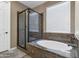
pixel 76 16
pixel 15 6
pixel 72 17
pixel 42 9
pixel 77 20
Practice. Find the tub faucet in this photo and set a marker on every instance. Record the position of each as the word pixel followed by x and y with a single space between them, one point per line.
pixel 73 42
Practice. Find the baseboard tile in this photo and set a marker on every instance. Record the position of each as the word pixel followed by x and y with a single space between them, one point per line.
pixel 12 48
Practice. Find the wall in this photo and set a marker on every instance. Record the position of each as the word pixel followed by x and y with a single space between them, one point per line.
pixel 77 18
pixel 42 8
pixel 15 6
pixel 72 16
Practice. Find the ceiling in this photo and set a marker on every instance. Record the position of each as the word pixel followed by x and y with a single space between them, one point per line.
pixel 32 4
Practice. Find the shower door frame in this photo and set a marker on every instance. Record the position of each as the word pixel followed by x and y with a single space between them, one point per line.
pixel 40 20
pixel 18 29
pixel 41 29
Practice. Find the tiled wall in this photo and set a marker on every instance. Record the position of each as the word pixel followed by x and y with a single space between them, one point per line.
pixel 35 34
pixel 58 36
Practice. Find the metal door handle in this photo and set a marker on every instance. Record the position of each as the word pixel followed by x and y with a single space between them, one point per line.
pixel 6 32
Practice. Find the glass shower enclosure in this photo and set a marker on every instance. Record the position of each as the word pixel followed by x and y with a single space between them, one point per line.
pixel 28 27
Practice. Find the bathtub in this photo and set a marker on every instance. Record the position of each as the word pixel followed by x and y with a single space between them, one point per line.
pixel 55 46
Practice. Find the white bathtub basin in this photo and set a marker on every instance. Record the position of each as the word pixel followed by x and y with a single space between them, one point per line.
pixel 54 45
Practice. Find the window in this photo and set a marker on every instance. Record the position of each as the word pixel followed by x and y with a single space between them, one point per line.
pixel 58 18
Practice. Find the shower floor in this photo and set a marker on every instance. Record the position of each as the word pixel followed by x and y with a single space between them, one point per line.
pixel 16 53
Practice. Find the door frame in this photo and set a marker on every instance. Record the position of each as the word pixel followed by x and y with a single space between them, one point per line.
pixel 40 21
pixel 9 27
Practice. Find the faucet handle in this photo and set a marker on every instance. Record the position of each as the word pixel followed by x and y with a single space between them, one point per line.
pixel 72 37
pixel 73 45
pixel 74 40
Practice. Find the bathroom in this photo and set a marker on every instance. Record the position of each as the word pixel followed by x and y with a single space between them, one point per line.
pixel 46 30
pixel 51 31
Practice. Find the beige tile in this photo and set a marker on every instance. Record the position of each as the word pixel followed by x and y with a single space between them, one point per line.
pixel 16 53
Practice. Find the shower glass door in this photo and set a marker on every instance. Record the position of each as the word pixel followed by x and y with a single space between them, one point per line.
pixel 28 27
pixel 22 29
pixel 34 25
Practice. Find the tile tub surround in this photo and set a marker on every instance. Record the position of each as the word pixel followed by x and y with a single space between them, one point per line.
pixel 63 37
pixel 36 51
pixel 39 51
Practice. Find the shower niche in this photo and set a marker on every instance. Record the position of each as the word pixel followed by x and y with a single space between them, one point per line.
pixel 28 27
